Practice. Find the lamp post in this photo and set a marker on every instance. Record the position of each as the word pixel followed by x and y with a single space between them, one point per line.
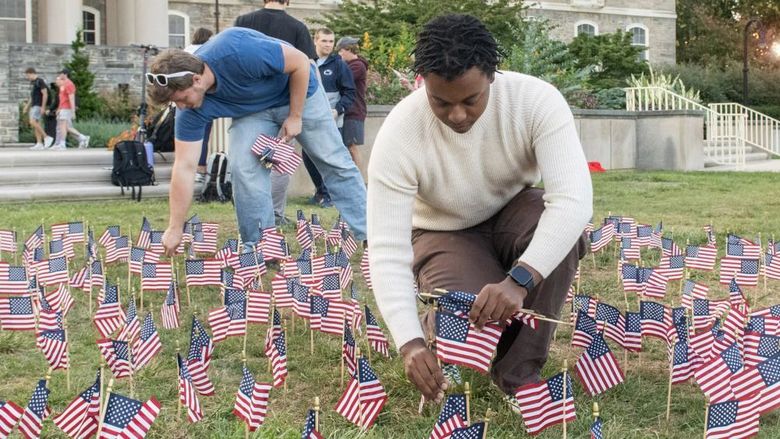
pixel 216 16
pixel 745 67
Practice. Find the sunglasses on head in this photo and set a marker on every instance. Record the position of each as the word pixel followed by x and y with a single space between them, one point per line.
pixel 161 79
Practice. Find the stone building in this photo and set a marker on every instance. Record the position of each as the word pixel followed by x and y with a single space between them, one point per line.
pixel 38 33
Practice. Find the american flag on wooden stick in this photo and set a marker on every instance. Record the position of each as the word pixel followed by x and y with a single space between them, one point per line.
pixel 170 308
pixel 278 357
pixel 452 417
pixel 199 358
pixel 8 241
pixel 13 279
pixel 459 342
pixel 109 315
pixel 364 397
pixel 117 355
pixel 109 235
pixel 252 400
pixel 543 404
pixel 17 313
pixel 128 418
pixel 597 367
pixel 54 346
pixel 10 414
pixel 147 345
pixel 376 337
pixel 36 412
pixel 80 417
pixel 733 419
pixel 275 153
pixel 187 394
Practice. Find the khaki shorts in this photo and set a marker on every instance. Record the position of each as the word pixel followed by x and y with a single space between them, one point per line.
pixel 66 115
pixel 35 112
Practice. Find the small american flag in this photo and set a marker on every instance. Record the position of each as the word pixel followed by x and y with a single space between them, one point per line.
pixel 8 241
pixel 364 397
pixel 187 394
pixel 199 358
pixel 316 226
pixel 655 286
pixel 348 350
pixel 96 277
pixel 252 400
pixel 771 266
pixel 281 287
pixel 156 243
pixel 473 431
pixel 714 377
pixel 128 418
pixel 354 313
pixel 601 237
pixel 644 233
pixel 132 327
pixel 118 251
pixel 229 319
pixel 327 315
pixel 632 339
pixel 109 235
pixel 275 153
pixel 760 381
pixel 744 270
pixel 148 343
pixel 458 342
pixel 203 272
pixel 759 347
pixel 543 405
pixel 49 319
pixel 452 417
pixel 278 356
pixel 672 267
pixel 670 248
pixel 375 335
pixel 204 238
pixel 597 368
pixel 109 315
pixel 304 235
pixel 763 325
pixel 145 235
pixel 10 414
pixel 681 362
pixel 248 266
pixel 734 419
pixel 35 240
pixel 228 254
pixel 614 322
pixel 258 306
pixel 300 299
pixel 737 247
pixel 117 355
pixel 706 311
pixel 701 257
pixel 629 249
pixel 13 279
pixel 156 277
pixel 52 271
pixel 656 318
pixel 583 303
pixel 710 232
pixel 80 417
pixel 80 278
pixel 365 269
pixel 585 328
pixel 59 246
pixel 693 290
pixel 310 427
pixel 17 313
pixel 274 244
pixel 72 231
pixel 90 248
pixel 595 429
pixel 54 345
pixel 140 255
pixel 36 412
pixel 170 308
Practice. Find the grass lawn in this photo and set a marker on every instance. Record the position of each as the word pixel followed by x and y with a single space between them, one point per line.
pixel 742 203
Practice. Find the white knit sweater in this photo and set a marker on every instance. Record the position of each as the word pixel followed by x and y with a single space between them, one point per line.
pixel 424 175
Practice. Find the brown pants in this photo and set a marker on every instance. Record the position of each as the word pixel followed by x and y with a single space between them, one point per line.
pixel 469 259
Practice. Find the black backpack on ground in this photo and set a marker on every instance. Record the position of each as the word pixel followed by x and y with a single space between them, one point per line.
pixel 162 129
pixel 218 185
pixel 131 167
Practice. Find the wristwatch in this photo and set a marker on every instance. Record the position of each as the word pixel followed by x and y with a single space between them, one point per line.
pixel 522 277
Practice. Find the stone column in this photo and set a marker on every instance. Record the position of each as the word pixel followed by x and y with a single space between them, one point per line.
pixel 120 22
pixel 151 24
pixel 59 20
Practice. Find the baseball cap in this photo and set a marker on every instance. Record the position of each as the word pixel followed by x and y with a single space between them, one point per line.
pixel 346 41
pixel 66 71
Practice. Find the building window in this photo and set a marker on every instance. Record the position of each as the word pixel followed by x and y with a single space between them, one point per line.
pixel 13 21
pixel 586 27
pixel 639 38
pixel 90 25
pixel 178 25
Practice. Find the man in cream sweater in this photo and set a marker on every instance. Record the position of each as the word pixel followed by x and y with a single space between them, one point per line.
pixel 451 202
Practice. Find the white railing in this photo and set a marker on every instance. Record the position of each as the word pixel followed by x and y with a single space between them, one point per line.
pixel 761 131
pixel 220 138
pixel 725 129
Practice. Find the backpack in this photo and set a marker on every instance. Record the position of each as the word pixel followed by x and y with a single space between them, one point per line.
pixel 162 129
pixel 131 167
pixel 218 185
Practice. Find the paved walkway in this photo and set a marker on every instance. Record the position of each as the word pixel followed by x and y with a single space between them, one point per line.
pixel 762 166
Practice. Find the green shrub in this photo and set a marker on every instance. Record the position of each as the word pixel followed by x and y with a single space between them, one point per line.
pixel 117 105
pixel 611 98
pixel 725 84
pixel 613 56
pixel 88 101
pixel 384 90
pixel 99 130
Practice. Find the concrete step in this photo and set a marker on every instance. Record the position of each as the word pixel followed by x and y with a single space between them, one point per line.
pixel 749 157
pixel 74 191
pixel 35 175
pixel 16 145
pixel 24 157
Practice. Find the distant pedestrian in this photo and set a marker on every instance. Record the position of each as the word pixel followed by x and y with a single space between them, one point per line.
pixel 199 37
pixel 355 117
pixel 36 108
pixel 66 112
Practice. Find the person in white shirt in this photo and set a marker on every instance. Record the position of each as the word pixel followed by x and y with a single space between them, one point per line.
pixel 452 201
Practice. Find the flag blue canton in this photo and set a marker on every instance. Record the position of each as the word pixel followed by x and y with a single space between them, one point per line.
pixel 365 372
pixel 349 340
pixel 455 405
pixel 55 335
pixel 680 353
pixel 227 278
pixel 555 387
pixel 595 429
pixel 149 271
pixel 20 305
pixel 629 272
pixel 652 311
pixel 121 242
pixel 768 346
pixel 770 371
pixel 170 298
pixel 112 294
pixel 701 307
pixel 121 349
pixel 607 313
pixel 138 254
pixel 310 425
pixel 457 301
pixel 39 399
pixel 735 249
pixel 598 347
pixel 199 340
pixel 148 329
pixel 633 322
pixel 193 266
pixel 749 266
pixel 58 264
pixel 156 237
pixel 281 345
pixel 474 431
pixel 120 410
pixel 733 358
pixel 331 283
pixel 319 305
pixel 247 383
pixel 451 327
pixel 692 251
pixel 585 323
pixel 370 319
pixel 722 414
pixel 677 261
pixel 17 274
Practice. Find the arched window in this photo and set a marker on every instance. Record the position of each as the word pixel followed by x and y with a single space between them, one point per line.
pixel 90 19
pixel 13 21
pixel 586 27
pixel 639 37
pixel 178 29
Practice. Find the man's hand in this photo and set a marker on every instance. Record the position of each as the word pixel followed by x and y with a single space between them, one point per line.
pixel 335 113
pixel 423 371
pixel 497 302
pixel 291 127
pixel 171 239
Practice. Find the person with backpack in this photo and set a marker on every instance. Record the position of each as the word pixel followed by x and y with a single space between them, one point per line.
pixel 36 108
pixel 267 87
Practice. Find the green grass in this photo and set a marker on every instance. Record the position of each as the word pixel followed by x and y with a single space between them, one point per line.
pixel 742 203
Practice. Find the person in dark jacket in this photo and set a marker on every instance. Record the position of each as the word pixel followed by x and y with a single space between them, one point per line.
pixel 337 81
pixel 355 116
pixel 274 21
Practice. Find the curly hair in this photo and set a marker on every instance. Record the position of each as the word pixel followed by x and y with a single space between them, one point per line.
pixel 449 45
pixel 171 61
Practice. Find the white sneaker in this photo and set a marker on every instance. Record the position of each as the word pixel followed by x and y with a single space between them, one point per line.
pixel 48 141
pixel 58 147
pixel 38 147
pixel 84 142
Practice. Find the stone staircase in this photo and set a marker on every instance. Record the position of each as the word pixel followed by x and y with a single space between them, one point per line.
pixel 74 174
pixel 756 160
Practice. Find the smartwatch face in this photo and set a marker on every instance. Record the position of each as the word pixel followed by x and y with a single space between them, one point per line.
pixel 521 275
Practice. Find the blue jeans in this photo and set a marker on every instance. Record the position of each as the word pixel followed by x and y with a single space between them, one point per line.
pixel 320 139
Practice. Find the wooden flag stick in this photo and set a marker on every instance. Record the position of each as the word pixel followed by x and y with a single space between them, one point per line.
pixel 579 275
pixel 467 392
pixel 360 405
pixel 488 415
pixel 104 404
pixel 311 338
pixel 565 371
pixel 317 413
pixel 67 352
pixel 341 367
pixel 706 415
pixel 178 374
pixel 287 378
pixel 669 389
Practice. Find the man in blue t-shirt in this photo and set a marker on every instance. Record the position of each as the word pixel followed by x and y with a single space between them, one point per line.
pixel 267 87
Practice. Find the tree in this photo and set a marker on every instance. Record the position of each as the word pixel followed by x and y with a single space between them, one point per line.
pixel 612 54
pixel 88 100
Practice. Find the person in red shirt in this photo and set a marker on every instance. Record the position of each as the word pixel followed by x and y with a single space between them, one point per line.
pixel 66 112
